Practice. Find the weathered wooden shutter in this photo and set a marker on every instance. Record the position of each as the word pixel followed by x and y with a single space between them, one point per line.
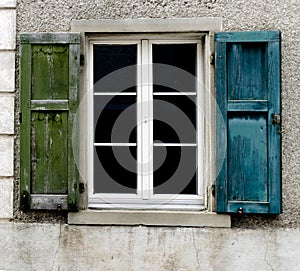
pixel 248 95
pixel 49 100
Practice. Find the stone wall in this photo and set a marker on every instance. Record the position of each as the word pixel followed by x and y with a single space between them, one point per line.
pixel 7 90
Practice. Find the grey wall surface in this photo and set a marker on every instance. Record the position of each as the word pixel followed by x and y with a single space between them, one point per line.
pixel 62 247
pixel 56 15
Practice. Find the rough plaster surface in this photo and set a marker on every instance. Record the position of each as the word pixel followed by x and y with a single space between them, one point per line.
pixel 7 71
pixel 56 15
pixel 62 247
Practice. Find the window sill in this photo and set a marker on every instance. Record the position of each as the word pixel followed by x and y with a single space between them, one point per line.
pixel 149 218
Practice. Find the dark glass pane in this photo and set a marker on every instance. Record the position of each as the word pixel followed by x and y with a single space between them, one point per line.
pixel 174 119
pixel 115 119
pixel 111 58
pixel 115 170
pixel 174 170
pixel 182 56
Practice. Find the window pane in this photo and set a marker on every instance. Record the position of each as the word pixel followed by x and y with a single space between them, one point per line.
pixel 174 119
pixel 115 169
pixel 182 56
pixel 177 173
pixel 110 58
pixel 115 119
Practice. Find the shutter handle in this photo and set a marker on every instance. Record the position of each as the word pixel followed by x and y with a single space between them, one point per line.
pixel 276 119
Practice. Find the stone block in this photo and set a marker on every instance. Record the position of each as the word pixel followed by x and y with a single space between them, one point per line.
pixel 6 114
pixel 7 71
pixel 6 198
pixel 6 156
pixel 7 29
pixel 8 3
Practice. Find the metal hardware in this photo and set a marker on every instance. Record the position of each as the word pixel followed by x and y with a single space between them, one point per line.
pixel 25 201
pixel 213 190
pixel 241 210
pixel 276 119
pixel 212 59
pixel 59 209
pixel 20 117
pixel 280 132
pixel 81 188
pixel 82 60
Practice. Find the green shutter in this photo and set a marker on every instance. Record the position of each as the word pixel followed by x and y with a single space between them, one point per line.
pixel 49 100
pixel 248 95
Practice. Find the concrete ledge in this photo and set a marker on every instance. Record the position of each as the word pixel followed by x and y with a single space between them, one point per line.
pixel 147 25
pixel 149 218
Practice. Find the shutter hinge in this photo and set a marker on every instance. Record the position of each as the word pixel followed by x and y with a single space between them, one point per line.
pixel 25 201
pixel 81 188
pixel 212 59
pixel 20 117
pixel 82 60
pixel 213 190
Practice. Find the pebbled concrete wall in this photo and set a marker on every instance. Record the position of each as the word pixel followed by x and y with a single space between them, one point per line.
pixel 56 15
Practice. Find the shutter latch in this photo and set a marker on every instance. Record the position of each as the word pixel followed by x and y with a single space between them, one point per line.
pixel 276 119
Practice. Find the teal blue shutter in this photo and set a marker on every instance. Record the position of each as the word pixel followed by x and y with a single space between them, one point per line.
pixel 49 82
pixel 248 96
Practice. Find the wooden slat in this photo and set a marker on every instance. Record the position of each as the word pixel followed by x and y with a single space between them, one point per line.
pixel 44 105
pixel 49 38
pixel 275 138
pixel 221 130
pixel 73 137
pixel 49 152
pixel 247 151
pixel 247 106
pixel 25 78
pixel 49 202
pixel 248 207
pixel 253 36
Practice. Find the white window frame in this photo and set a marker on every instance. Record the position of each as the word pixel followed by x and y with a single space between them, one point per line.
pixel 128 27
pixel 144 199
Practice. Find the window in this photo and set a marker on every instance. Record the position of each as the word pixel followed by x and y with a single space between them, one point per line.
pixel 159 93
pixel 147 121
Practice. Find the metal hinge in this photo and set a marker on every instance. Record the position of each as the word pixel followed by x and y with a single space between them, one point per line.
pixel 25 201
pixel 20 117
pixel 81 188
pixel 212 59
pixel 213 190
pixel 82 60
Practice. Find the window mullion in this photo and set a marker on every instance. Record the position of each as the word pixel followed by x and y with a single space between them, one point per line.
pixel 145 106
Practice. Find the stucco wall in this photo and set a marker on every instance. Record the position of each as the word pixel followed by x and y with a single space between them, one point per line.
pixel 63 247
pixel 56 15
